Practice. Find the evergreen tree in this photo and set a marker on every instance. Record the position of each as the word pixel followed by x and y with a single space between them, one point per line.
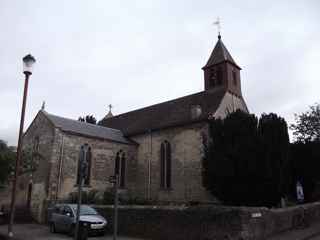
pixel 244 161
pixel 88 119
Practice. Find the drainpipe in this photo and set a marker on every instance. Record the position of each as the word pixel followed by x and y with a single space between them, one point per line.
pixel 60 167
pixel 149 167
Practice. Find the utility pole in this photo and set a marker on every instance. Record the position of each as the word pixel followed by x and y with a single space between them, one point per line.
pixel 82 174
pixel 116 197
pixel 28 62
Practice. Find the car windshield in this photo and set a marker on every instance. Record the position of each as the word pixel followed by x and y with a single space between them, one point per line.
pixel 85 210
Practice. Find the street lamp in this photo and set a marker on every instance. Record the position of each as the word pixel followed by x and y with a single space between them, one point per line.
pixel 28 62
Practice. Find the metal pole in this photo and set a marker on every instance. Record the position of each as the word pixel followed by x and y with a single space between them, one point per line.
pixel 19 153
pixel 82 160
pixel 78 209
pixel 115 222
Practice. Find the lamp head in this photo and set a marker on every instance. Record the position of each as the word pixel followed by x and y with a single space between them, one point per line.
pixel 28 62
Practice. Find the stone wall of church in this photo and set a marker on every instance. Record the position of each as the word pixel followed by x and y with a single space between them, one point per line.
pixel 230 103
pixel 42 130
pixel 64 171
pixel 187 152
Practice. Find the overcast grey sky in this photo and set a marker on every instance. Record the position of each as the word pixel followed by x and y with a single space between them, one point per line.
pixel 133 54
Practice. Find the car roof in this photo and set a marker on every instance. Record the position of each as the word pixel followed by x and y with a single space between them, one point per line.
pixel 72 205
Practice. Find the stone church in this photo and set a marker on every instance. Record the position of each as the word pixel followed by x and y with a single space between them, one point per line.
pixel 157 149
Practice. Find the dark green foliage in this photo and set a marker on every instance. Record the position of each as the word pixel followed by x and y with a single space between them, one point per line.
pixel 108 197
pixel 305 152
pixel 7 159
pixel 305 157
pixel 274 151
pixel 88 119
pixel 90 197
pixel 244 159
pixel 307 126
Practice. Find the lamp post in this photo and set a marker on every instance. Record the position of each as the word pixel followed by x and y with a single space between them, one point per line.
pixel 28 62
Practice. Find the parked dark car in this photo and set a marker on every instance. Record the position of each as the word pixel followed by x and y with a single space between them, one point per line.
pixel 63 219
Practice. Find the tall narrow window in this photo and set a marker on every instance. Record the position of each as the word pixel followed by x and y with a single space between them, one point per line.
pixel 234 78
pixel 120 168
pixel 165 165
pixel 219 80
pixel 88 174
pixel 35 156
pixel 212 78
pixel 36 144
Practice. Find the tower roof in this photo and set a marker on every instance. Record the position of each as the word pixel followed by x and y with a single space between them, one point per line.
pixel 220 54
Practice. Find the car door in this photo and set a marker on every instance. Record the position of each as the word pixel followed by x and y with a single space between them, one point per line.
pixel 68 218
pixel 57 218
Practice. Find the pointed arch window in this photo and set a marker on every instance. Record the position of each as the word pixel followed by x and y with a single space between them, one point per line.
pixel 87 177
pixel 36 144
pixel 120 168
pixel 165 165
pixel 234 78
pixel 212 78
pixel 219 76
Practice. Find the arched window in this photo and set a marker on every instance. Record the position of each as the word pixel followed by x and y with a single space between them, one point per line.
pixel 120 168
pixel 219 77
pixel 88 173
pixel 234 78
pixel 36 144
pixel 165 165
pixel 212 78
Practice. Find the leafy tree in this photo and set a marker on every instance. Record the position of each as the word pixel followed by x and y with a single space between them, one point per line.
pixel 81 119
pixel 305 151
pixel 305 165
pixel 88 119
pixel 244 159
pixel 7 158
pixel 307 126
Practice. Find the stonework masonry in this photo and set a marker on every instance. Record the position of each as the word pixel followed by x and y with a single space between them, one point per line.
pixel 56 174
pixel 182 124
pixel 42 129
pixel 187 152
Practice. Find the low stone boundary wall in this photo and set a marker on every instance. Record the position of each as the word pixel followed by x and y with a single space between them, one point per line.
pixel 209 222
pixel 275 221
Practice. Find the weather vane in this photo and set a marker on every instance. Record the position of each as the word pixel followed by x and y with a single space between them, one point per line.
pixel 43 107
pixel 218 24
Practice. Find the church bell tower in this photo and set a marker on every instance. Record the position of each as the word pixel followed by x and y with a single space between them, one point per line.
pixel 221 71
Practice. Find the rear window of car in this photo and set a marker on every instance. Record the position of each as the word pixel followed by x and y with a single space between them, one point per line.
pixel 58 209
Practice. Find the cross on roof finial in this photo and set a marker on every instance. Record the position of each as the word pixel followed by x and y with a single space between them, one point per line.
pixel 43 107
pixel 218 24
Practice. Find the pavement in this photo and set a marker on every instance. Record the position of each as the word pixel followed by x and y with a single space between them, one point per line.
pixel 41 232
pixel 310 233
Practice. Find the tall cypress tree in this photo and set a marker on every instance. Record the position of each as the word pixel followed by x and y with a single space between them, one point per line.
pixel 244 161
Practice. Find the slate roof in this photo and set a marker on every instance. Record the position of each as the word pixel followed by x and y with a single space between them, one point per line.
pixel 86 129
pixel 220 54
pixel 167 114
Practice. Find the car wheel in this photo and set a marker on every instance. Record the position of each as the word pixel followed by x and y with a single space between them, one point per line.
pixel 52 228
